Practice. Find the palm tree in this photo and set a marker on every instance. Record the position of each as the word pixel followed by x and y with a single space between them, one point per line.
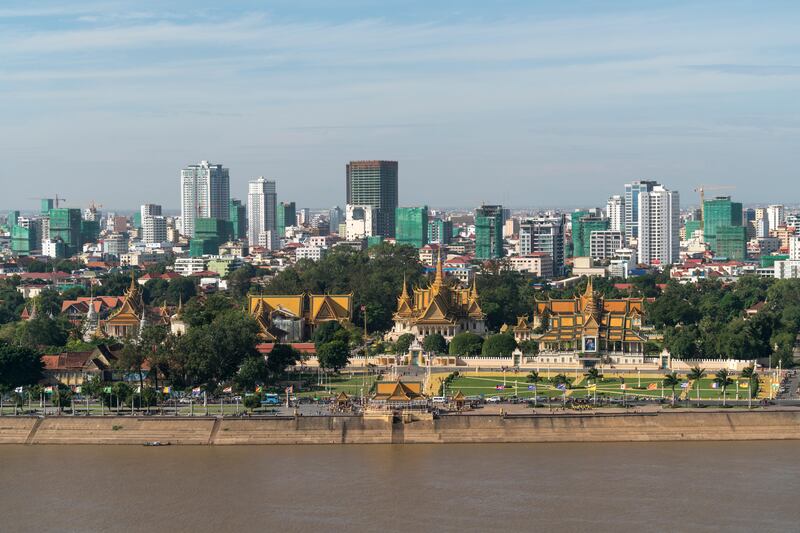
pixel 723 380
pixel 594 376
pixel 561 379
pixel 696 374
pixel 750 375
pixel 534 378
pixel 672 380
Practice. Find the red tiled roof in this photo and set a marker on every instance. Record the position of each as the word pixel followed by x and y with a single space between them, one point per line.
pixel 65 361
pixel 302 347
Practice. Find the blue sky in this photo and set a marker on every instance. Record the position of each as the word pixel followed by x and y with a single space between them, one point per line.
pixel 521 103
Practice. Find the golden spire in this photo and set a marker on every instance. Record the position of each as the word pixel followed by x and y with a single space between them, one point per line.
pixel 589 288
pixel 404 295
pixel 439 279
pixel 473 293
pixel 133 283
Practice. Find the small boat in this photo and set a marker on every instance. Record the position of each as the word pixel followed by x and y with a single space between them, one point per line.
pixel 156 443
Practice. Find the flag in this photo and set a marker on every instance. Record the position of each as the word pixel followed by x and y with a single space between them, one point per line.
pixel 48 390
pixel 258 389
pixel 107 390
pixel 744 384
pixel 363 308
pixel 138 390
pixel 78 389
pixel 531 387
pixel 592 387
pixel 290 389
pixel 499 387
pixel 684 384
pixel 167 390
pixel 561 386
pixel 623 386
pixel 652 386
pixel 18 390
pixel 715 385
pixel 196 390
pixel 227 390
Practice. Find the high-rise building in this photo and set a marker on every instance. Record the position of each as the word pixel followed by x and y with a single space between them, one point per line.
pixel 440 231
pixel 209 234
pixel 776 215
pixel 238 218
pixel 604 244
pixel 65 225
pixel 632 191
pixel 375 184
pixel 11 218
pixel 154 229
pixel 658 226
pixel 153 210
pixel 46 205
pixel 583 224
pixel 335 217
pixel 411 226
pixel 489 232
pixel 304 216
pixel 721 214
pixel 544 234
pixel 262 207
pixel 287 217
pixel 360 222
pixel 205 193
pixel 615 212
pixel 731 242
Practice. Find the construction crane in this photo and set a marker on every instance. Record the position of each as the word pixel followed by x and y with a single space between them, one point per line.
pixel 56 201
pixel 702 189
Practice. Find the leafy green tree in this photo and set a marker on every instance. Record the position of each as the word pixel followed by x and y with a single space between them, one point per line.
pixel 529 347
pixel 198 312
pixel 239 281
pixel 42 331
pixel 333 355
pixel 723 381
pixel 466 344
pixel 498 345
pixel 682 342
pixel 49 302
pixel 180 290
pixel 561 379
pixel 403 343
pixel 593 375
pixel 434 343
pixel 252 372
pixel 281 357
pixel 155 291
pixel 504 296
pixel 672 380
pixel 325 332
pixel 252 402
pixel 11 303
pixel 751 376
pixel 696 374
pixel 19 366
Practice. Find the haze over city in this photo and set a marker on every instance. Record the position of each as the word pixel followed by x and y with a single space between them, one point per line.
pixel 519 103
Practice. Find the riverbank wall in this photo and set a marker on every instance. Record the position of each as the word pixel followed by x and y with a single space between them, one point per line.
pixel 422 429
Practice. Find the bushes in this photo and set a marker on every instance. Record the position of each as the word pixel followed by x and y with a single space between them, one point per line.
pixel 466 344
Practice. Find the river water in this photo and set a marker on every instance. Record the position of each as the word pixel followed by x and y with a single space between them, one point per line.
pixel 708 486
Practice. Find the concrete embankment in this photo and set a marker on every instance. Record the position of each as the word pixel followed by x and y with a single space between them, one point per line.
pixel 667 426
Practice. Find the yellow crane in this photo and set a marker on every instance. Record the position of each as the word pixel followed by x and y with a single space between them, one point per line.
pixel 702 189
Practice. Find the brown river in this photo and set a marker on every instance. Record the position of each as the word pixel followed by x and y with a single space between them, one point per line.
pixel 708 486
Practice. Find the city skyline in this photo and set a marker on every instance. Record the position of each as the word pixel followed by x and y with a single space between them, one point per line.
pixel 551 104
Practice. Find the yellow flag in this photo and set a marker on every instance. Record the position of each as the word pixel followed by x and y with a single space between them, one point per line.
pixel 744 384
pixel 592 387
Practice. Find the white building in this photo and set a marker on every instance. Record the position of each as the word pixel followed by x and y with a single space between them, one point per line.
pixel 315 253
pixel 659 226
pixel 538 264
pixel 154 229
pixel 776 216
pixel 794 247
pixel 360 222
pixel 205 193
pixel 186 266
pixel 788 269
pixel 115 244
pixel 615 212
pixel 544 234
pixel 604 244
pixel 262 208
pixel 269 240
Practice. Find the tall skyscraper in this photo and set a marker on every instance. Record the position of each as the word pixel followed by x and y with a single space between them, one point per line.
pixel 205 193
pixel 721 214
pixel 632 191
pixel 775 215
pixel 584 222
pixel 335 217
pixel 374 184
pixel 489 232
pixel 658 226
pixel 615 212
pixel 440 231
pixel 412 226
pixel 238 218
pixel 287 217
pixel 262 208
pixel 544 234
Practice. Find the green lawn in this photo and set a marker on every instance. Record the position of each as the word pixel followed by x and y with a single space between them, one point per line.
pixel 486 386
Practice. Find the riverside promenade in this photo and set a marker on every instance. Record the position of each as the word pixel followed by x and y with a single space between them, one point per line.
pixel 677 425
